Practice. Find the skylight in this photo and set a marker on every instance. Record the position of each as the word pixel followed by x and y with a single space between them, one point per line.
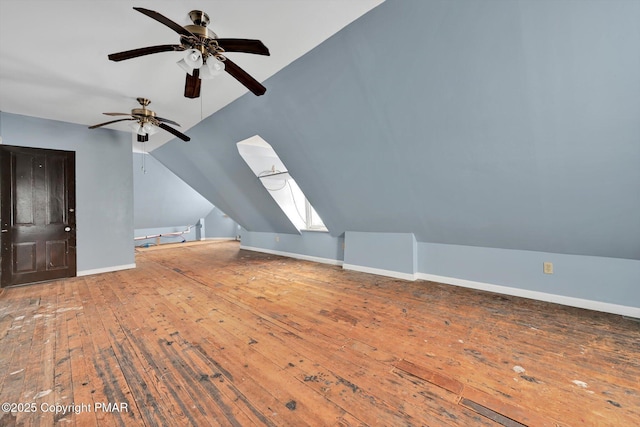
pixel 267 166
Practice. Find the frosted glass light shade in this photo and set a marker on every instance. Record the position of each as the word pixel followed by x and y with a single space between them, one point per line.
pixel 150 129
pixel 144 129
pixel 191 60
pixel 135 126
pixel 212 68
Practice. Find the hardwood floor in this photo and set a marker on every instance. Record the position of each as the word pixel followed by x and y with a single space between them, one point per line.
pixel 212 335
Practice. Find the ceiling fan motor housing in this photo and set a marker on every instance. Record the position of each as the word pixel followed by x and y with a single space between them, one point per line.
pixel 199 28
pixel 144 112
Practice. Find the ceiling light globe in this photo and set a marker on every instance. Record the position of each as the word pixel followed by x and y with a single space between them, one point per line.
pixel 135 126
pixel 148 128
pixel 213 67
pixel 193 58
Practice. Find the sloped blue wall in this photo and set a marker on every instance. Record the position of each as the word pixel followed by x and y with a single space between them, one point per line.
pixel 161 199
pixel 503 124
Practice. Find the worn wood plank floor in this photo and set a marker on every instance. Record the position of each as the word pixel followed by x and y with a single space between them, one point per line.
pixel 209 334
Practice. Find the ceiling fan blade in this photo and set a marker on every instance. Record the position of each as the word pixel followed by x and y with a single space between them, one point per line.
pixel 117 114
pixel 243 45
pixel 192 85
pixel 112 121
pixel 166 21
pixel 161 119
pixel 174 132
pixel 243 77
pixel 134 53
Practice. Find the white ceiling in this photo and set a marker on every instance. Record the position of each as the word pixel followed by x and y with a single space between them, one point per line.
pixel 53 54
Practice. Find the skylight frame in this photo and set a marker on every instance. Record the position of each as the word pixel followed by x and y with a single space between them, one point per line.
pixel 265 163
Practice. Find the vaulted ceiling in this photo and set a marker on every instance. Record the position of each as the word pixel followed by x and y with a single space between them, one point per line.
pixel 53 54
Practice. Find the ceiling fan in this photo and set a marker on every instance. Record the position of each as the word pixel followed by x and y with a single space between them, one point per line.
pixel 204 52
pixel 145 122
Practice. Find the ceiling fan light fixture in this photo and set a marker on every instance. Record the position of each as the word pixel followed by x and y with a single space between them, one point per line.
pixel 135 126
pixel 149 129
pixel 144 122
pixel 200 42
pixel 192 59
pixel 213 67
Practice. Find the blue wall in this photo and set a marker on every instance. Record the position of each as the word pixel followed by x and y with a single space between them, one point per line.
pixel 597 283
pixel 309 245
pixel 500 124
pixel 104 186
pixel 219 225
pixel 596 279
pixel 161 199
pixel 386 253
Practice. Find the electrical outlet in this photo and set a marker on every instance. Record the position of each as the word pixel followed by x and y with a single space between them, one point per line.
pixel 277 238
pixel 547 268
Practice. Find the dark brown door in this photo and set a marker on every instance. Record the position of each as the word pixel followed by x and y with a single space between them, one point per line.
pixel 37 215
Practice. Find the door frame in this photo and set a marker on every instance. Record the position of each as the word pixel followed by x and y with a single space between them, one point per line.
pixel 7 205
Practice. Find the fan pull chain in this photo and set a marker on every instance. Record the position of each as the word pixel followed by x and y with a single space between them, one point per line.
pixel 144 159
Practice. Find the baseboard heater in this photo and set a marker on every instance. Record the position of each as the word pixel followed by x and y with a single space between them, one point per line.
pixel 158 236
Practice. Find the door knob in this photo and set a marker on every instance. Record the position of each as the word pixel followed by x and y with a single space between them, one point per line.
pixel 67 229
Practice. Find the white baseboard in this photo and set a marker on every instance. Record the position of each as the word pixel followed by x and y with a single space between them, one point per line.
pixel 633 312
pixel 293 255
pixel 541 296
pixel 218 238
pixel 105 269
pixel 380 272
